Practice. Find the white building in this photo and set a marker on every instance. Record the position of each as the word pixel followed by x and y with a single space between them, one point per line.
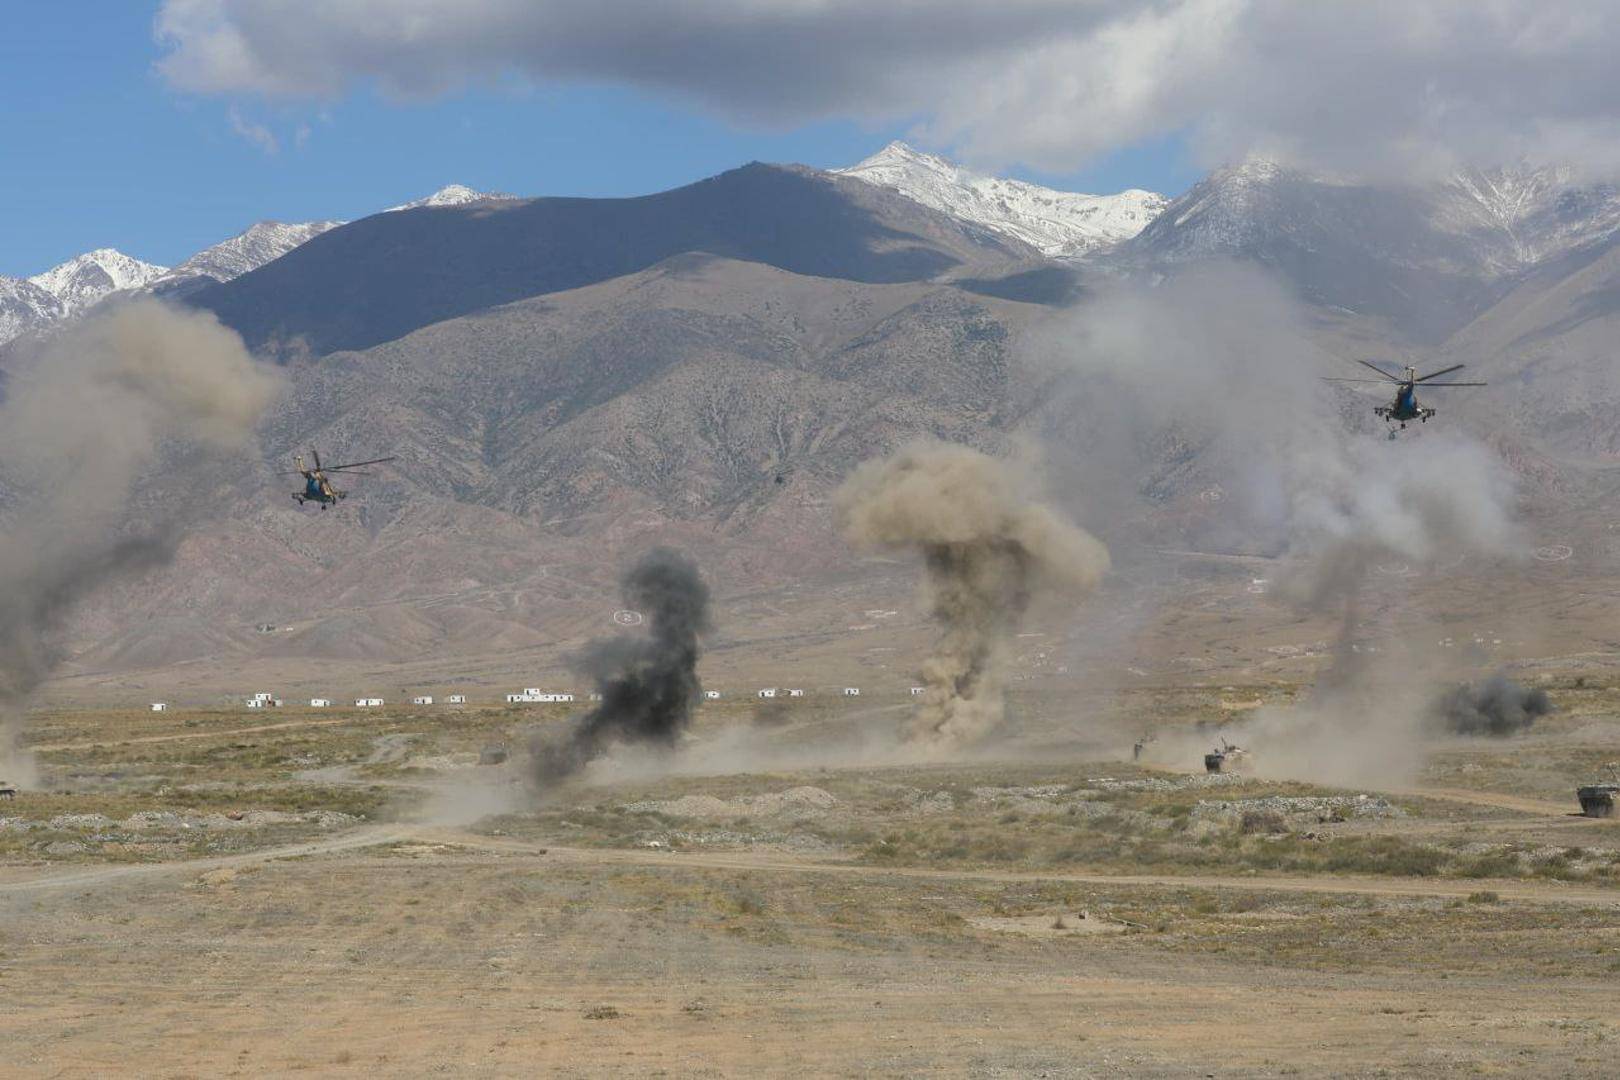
pixel 264 697
pixel 916 691
pixel 596 697
pixel 767 693
pixel 424 699
pixel 160 706
pixel 367 702
pixel 795 693
pixel 457 699
pixel 259 703
pixel 712 695
pixel 320 703
pixel 852 691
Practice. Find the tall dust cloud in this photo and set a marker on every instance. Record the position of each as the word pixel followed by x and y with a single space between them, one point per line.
pixel 1222 362
pixel 989 547
pixel 648 682
pixel 86 414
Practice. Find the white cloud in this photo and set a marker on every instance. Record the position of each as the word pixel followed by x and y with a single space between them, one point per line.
pixel 1365 86
pixel 253 131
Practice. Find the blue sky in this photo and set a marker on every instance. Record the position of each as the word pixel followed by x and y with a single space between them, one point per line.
pixel 100 152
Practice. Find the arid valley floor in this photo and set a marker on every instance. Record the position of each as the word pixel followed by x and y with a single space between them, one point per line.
pixel 212 893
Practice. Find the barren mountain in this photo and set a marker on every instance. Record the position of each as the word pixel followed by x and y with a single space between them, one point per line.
pixel 433 263
pixel 569 381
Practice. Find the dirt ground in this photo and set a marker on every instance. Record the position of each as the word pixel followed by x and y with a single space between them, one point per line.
pixel 200 894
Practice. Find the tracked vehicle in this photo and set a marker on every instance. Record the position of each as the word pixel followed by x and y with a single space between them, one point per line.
pixel 1597 800
pixel 1226 758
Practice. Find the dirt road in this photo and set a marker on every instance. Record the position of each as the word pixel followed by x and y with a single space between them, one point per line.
pixel 1523 891
pixel 211 733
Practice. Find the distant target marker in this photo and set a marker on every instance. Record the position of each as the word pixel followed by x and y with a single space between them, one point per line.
pixel 1394 569
pixel 627 618
pixel 1553 553
pixel 1213 495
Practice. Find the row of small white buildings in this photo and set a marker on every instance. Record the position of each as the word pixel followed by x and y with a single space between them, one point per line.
pixel 529 695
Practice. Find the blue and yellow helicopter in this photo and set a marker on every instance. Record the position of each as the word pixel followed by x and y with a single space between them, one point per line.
pixel 1405 407
pixel 317 488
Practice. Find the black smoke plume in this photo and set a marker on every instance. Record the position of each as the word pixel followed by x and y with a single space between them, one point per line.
pixel 649 683
pixel 1498 706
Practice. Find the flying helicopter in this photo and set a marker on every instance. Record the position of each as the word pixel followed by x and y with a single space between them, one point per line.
pixel 317 487
pixel 1405 407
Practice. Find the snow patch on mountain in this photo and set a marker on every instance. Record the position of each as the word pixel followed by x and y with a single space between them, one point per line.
pixel 85 279
pixel 262 243
pixel 23 306
pixel 1060 224
pixel 1524 216
pixel 450 195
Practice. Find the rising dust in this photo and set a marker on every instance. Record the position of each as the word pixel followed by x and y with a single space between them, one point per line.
pixel 85 416
pixel 989 547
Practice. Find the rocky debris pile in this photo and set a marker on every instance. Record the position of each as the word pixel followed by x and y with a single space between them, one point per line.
pixel 145 822
pixel 798 802
pixel 929 802
pixel 1292 811
pixel 1155 783
pixel 727 838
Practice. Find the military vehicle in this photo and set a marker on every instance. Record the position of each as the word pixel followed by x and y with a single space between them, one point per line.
pixel 1226 758
pixel 1597 800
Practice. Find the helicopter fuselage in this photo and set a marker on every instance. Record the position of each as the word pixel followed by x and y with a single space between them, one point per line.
pixel 1405 407
pixel 317 489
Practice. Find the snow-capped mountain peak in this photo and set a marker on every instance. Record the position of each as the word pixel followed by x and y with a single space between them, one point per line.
pixel 1058 223
pixel 85 279
pixel 451 195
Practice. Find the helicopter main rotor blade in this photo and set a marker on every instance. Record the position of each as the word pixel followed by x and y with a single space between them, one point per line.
pixel 357 464
pixel 1381 371
pixel 1442 371
pixel 1326 378
pixel 1438 385
pixel 317 455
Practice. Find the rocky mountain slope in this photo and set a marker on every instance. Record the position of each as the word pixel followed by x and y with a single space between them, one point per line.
pixel 1058 224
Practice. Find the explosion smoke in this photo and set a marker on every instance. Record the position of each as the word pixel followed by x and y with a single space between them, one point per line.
pixel 648 684
pixel 1498 706
pixel 1222 363
pixel 80 422
pixel 988 547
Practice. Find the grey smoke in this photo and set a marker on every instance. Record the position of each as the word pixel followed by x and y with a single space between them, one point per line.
pixel 83 418
pixel 988 546
pixel 1224 359
pixel 648 682
pixel 1498 706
